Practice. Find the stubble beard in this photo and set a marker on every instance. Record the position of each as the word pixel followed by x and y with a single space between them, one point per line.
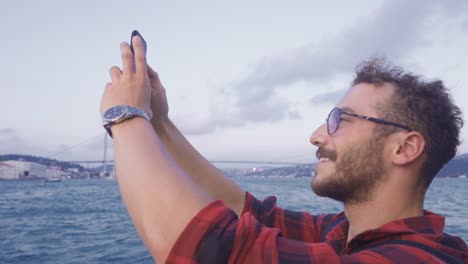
pixel 357 172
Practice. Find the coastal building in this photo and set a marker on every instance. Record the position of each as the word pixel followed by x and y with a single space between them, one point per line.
pixel 28 170
pixel 8 172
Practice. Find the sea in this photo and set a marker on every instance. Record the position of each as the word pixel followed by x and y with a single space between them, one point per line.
pixel 85 221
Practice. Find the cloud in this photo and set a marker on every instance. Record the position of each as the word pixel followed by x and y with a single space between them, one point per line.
pixel 453 8
pixel 6 132
pixel 294 115
pixel 328 97
pixel 11 142
pixel 94 144
pixel 395 31
pixel 89 149
pixel 196 124
pixel 267 110
pixel 465 25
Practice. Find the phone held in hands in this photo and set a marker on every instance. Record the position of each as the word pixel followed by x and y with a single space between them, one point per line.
pixel 136 33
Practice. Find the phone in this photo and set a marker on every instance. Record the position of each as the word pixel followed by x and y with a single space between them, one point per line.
pixel 136 33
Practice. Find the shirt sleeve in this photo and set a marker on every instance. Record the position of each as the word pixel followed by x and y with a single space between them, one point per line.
pixel 217 235
pixel 300 226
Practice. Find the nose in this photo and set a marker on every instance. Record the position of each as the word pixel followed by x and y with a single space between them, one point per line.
pixel 319 136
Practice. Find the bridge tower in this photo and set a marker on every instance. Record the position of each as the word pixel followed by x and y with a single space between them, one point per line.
pixel 104 168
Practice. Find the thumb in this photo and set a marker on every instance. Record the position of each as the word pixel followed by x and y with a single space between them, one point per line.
pixel 152 74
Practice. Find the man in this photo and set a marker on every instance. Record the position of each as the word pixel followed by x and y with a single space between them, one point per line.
pixel 378 152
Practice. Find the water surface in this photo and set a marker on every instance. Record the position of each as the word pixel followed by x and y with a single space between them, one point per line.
pixel 85 221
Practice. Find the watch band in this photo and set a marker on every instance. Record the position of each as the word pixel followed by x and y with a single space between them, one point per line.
pixel 119 113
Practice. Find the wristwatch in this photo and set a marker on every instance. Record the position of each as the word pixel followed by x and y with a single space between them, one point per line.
pixel 119 113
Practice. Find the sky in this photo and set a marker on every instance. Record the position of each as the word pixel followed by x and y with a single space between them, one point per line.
pixel 246 80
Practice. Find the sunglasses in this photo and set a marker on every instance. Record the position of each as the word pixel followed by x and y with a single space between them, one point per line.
pixel 334 119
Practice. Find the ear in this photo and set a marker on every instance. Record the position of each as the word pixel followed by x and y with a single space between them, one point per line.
pixel 410 147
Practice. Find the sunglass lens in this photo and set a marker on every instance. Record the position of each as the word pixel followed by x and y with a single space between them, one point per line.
pixel 333 120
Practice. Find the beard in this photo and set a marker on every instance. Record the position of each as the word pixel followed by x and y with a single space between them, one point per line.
pixel 358 169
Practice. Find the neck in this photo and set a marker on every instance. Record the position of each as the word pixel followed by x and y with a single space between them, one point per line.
pixel 387 204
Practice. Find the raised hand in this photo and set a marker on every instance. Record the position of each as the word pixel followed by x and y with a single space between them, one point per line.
pixel 131 85
pixel 159 104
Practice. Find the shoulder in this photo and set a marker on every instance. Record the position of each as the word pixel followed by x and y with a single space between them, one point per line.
pixel 418 251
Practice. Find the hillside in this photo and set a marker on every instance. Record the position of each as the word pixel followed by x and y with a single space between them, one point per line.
pixel 456 167
pixel 41 160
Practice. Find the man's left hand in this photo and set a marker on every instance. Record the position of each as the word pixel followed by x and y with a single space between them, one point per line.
pixel 131 85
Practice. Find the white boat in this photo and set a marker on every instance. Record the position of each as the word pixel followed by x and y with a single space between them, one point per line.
pixel 53 180
pixel 54 174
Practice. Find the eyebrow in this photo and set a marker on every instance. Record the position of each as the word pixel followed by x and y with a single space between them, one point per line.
pixel 347 109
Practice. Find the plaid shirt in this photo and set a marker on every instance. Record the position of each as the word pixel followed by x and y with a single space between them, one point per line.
pixel 265 233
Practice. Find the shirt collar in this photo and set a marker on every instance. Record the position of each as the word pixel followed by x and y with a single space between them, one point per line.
pixel 429 223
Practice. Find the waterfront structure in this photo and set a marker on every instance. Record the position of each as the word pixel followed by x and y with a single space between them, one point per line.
pixel 27 170
pixel 8 172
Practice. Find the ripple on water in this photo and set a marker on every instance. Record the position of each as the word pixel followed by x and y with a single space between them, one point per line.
pixel 85 221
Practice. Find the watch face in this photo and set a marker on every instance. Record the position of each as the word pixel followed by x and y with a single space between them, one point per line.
pixel 114 112
pixel 119 113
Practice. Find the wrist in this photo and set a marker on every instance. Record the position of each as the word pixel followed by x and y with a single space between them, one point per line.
pixel 160 123
pixel 164 128
pixel 128 126
pixel 119 114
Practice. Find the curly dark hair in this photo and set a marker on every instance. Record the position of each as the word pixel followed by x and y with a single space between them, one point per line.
pixel 424 106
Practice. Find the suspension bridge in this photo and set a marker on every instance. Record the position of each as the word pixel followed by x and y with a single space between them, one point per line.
pixel 105 161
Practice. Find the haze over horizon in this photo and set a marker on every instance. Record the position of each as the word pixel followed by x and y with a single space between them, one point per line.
pixel 245 81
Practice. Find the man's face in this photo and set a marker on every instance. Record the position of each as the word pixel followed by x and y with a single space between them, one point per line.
pixel 351 160
pixel 356 171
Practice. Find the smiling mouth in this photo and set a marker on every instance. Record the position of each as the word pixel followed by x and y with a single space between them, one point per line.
pixel 325 155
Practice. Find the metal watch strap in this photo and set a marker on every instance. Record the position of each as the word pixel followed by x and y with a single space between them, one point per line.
pixel 120 113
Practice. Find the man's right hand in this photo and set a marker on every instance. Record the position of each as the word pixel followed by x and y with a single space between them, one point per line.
pixel 159 105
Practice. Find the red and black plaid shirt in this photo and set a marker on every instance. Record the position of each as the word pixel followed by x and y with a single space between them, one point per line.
pixel 265 233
